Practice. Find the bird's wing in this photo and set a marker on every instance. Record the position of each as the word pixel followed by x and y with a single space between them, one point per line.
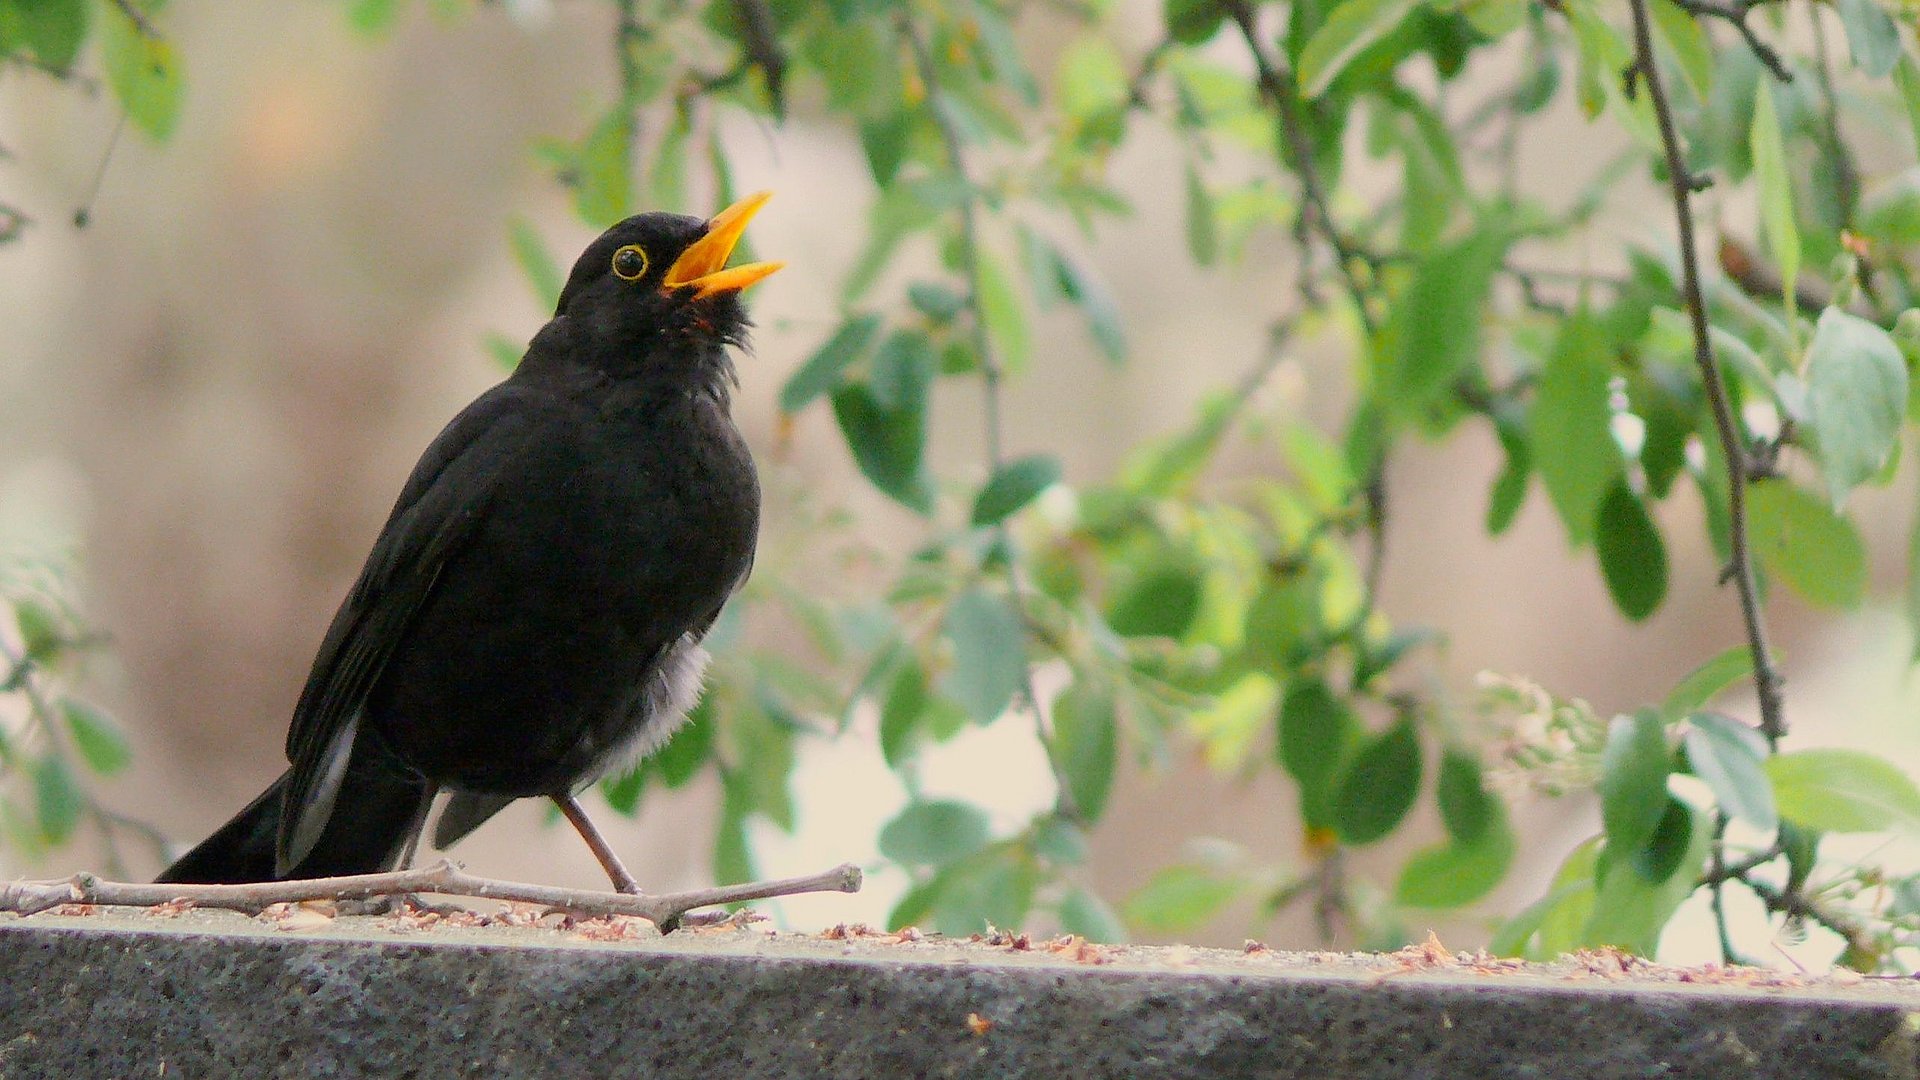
pixel 443 500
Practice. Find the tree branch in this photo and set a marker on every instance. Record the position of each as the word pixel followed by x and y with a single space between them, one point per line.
pixel 445 879
pixel 991 374
pixel 1681 180
pixel 1276 85
pixel 1735 12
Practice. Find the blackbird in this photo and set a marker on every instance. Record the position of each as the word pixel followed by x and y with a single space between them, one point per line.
pixel 530 618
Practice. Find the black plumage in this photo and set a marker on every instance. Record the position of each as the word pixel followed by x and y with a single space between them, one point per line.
pixel 530 617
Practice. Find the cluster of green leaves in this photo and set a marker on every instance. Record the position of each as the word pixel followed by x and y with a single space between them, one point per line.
pixel 139 63
pixel 55 748
pixel 48 37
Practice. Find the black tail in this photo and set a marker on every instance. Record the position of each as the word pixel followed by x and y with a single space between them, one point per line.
pixel 379 807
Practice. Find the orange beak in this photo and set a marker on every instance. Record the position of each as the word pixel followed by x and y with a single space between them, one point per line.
pixel 703 266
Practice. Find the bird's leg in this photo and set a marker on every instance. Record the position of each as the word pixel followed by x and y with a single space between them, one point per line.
pixel 575 813
pixel 417 828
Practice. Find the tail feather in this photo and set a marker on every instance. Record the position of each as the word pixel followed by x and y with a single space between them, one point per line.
pixel 379 805
pixel 240 851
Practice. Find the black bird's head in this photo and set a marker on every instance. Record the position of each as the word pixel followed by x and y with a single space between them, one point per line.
pixel 656 287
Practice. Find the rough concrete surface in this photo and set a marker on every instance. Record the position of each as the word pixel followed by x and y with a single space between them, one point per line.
pixel 111 993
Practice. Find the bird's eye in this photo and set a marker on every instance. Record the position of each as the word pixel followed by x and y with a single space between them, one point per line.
pixel 630 262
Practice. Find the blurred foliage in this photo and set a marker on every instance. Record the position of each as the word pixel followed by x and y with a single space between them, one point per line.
pixel 1170 610
pixel 55 747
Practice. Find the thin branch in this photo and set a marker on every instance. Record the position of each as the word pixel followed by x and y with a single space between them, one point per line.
pixel 138 18
pixel 444 879
pixel 1681 180
pixel 1735 13
pixel 1717 886
pixel 991 372
pixel 1276 85
pixel 1799 905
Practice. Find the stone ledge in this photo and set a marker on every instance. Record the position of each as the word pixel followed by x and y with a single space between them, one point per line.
pixel 210 994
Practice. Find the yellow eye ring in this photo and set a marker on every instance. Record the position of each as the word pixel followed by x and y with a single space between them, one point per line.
pixel 630 262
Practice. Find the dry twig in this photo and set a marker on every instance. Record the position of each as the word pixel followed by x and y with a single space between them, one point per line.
pixel 444 879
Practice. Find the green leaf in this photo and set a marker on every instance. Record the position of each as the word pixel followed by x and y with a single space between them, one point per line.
pixel 1005 316
pixel 1086 746
pixel 1684 35
pixel 901 711
pixel 1509 490
pixel 1707 682
pixel 1799 539
pixel 1319 466
pixel 99 740
pixel 143 71
pixel 823 371
pixel 1090 81
pixel 1457 872
pixel 1180 899
pixel 1632 557
pixel 1194 22
pixel 1082 912
pixel 1317 730
pixel 667 177
pixel 503 349
pixel 1203 232
pixel 1228 726
pixel 57 799
pixel 1857 390
pixel 679 760
pixel 1871 36
pixel 1058 840
pixel 1776 189
pixel 1017 483
pixel 732 854
pixel 1668 846
pixel 1090 295
pixel 372 17
pixel 1843 791
pixel 1466 807
pixel 623 792
pixel 1633 780
pixel 1160 603
pixel 1349 29
pixel 935 833
pixel 1628 910
pixel 1554 923
pixel 603 170
pixel 1730 757
pixel 983 893
pixel 536 261
pixel 52 30
pixel 884 139
pixel 1379 785
pixel 1572 445
pixel 1437 320
pixel 885 419
pixel 903 208
pixel 40 633
pixel 989 654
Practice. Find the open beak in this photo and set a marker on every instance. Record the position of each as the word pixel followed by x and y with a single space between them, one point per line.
pixel 703 266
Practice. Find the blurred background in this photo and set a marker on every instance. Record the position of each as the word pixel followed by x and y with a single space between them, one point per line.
pixel 212 392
